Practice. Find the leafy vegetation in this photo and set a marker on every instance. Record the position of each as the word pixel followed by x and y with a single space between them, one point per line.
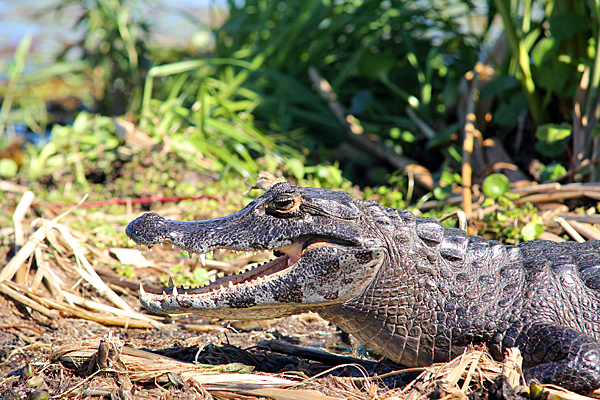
pixel 403 71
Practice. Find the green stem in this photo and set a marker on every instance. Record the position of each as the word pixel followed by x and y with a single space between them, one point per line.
pixel 592 93
pixel 520 54
pixel 11 90
pixel 526 26
pixel 412 101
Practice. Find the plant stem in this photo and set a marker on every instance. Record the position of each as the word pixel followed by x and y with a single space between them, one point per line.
pixel 520 54
pixel 20 55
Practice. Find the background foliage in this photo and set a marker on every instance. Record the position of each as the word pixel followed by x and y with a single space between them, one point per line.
pixel 403 70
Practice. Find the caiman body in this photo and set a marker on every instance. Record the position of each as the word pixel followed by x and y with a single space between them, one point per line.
pixel 408 287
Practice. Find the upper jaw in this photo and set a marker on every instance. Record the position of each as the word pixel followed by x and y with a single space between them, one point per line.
pixel 149 229
pixel 206 236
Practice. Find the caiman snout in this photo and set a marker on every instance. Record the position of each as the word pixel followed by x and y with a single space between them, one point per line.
pixel 149 229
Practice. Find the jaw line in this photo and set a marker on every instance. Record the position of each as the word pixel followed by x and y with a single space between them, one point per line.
pixel 256 276
pixel 250 295
pixel 291 255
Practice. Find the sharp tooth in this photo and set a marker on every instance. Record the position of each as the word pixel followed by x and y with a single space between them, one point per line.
pixel 236 252
pixel 139 247
pixel 171 282
pixel 203 259
pixel 247 254
pixel 212 253
pixel 214 291
pixel 230 284
pixel 165 295
pixel 142 291
pixel 150 248
pixel 173 246
pixel 221 287
pixel 175 291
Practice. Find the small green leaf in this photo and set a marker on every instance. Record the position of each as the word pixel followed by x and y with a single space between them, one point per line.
pixel 550 150
pixel 531 231
pixel 449 178
pixel 296 167
pixel 8 168
pixel 501 84
pixel 566 25
pixel 553 132
pixel 375 65
pixel 200 275
pixel 508 112
pixel 552 171
pixel 495 185
pixel 442 193
pixel 543 50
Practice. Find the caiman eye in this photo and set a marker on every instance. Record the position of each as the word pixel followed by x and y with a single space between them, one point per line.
pixel 282 205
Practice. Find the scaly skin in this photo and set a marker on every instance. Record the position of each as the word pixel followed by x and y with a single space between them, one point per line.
pixel 408 287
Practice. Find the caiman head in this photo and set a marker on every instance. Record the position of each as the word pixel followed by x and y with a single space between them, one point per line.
pixel 329 252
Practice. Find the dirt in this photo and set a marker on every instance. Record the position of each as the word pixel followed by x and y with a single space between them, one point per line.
pixel 28 340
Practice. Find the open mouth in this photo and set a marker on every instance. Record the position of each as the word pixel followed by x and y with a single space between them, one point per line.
pixel 287 257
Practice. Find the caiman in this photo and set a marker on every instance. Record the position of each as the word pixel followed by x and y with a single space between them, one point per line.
pixel 408 287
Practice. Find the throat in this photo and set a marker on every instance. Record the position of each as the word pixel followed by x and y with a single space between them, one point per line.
pixel 294 253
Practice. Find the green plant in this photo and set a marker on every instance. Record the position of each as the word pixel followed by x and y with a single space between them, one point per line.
pixel 380 58
pixel 114 44
pixel 14 72
pixel 495 185
pixel 553 73
pixel 207 119
pixel 91 140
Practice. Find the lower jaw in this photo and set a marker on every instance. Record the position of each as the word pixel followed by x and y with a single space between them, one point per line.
pixel 257 274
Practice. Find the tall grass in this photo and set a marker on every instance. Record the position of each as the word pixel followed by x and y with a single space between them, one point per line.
pixel 396 65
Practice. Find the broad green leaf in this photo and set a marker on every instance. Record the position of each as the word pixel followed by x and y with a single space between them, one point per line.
pixel 499 85
pixel 376 66
pixel 566 25
pixel 508 113
pixel 495 185
pixel 550 150
pixel 554 76
pixel 530 39
pixel 8 168
pixel 552 132
pixel 543 50
pixel 296 167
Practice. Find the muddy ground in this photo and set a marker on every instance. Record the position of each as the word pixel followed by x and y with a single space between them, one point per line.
pixel 28 341
pixel 29 367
